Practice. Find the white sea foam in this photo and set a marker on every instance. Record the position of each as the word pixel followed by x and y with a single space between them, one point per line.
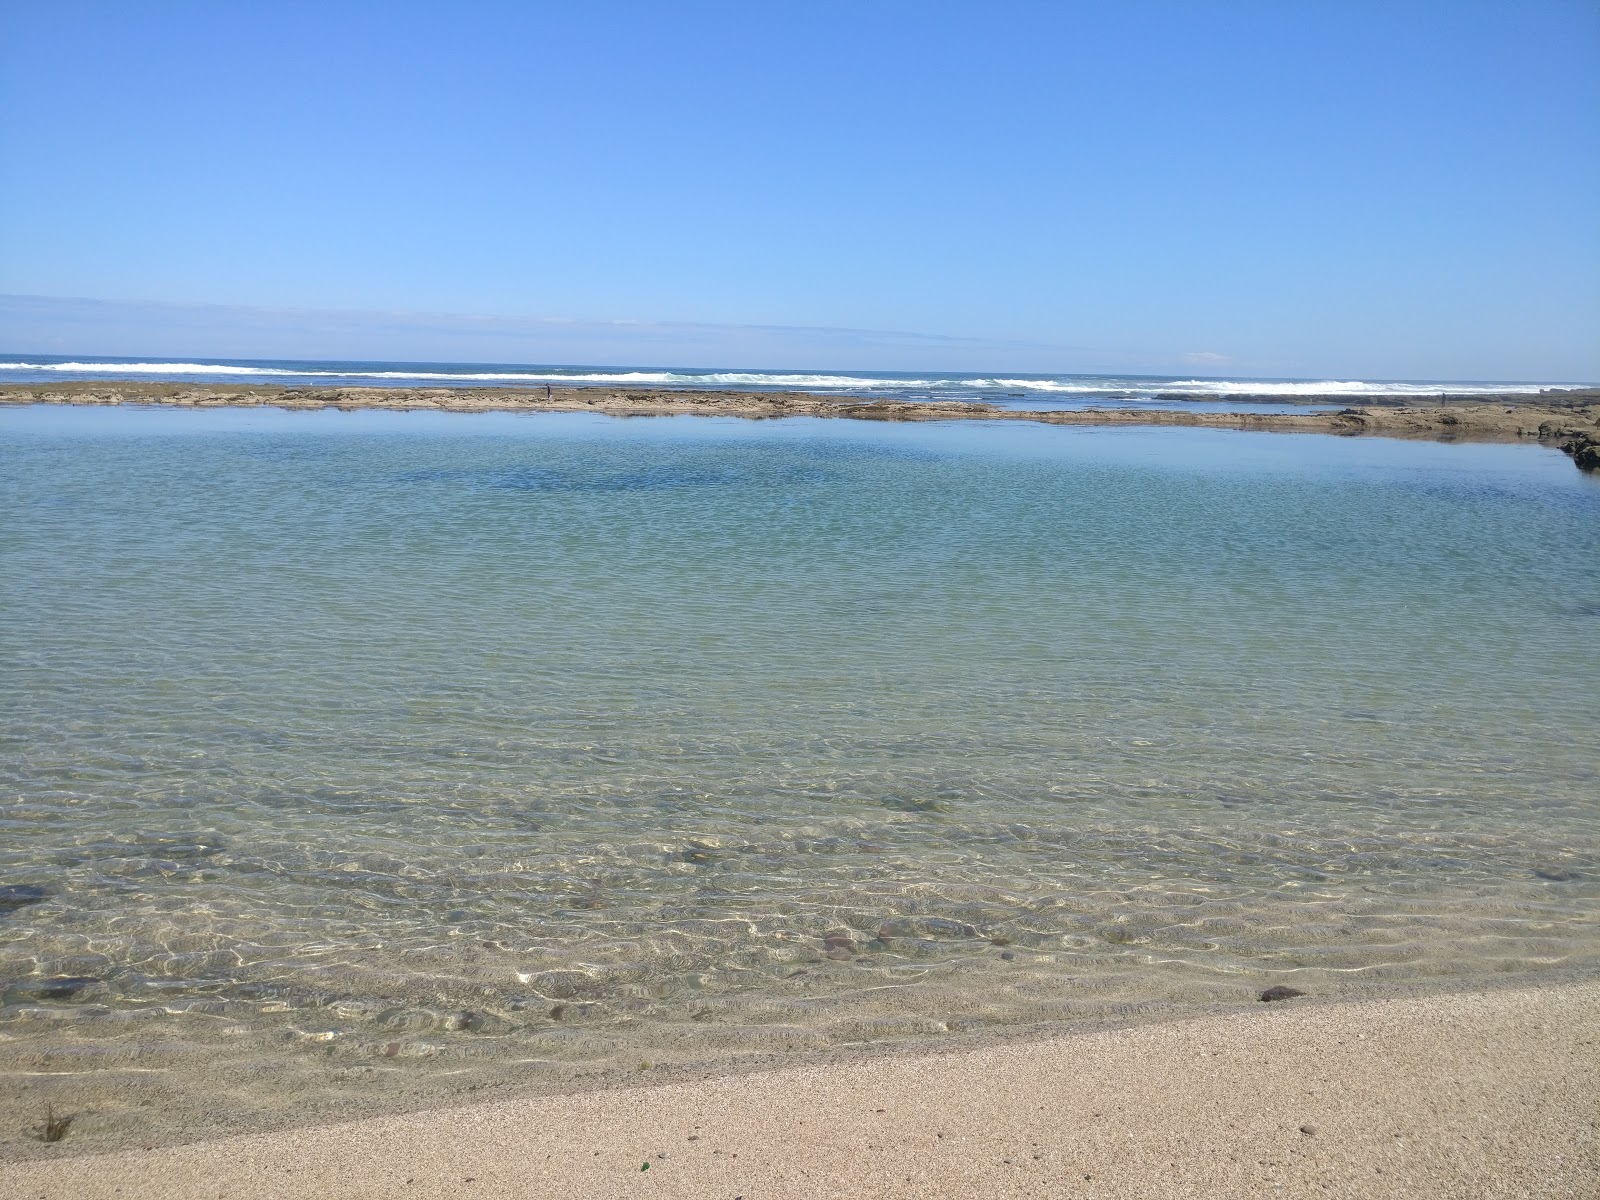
pixel 1040 385
pixel 144 368
pixel 191 368
pixel 509 376
pixel 749 378
pixel 770 379
pixel 717 378
pixel 1061 385
pixel 1342 387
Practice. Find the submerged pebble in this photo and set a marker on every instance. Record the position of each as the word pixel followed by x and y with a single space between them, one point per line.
pixel 1280 993
pixel 20 895
pixel 62 987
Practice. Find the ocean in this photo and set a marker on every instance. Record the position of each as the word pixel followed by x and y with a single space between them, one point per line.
pixel 1008 390
pixel 357 761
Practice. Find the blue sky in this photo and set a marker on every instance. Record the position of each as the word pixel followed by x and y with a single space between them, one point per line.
pixel 1383 189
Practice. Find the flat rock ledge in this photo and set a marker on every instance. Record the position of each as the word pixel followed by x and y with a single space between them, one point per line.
pixel 1569 419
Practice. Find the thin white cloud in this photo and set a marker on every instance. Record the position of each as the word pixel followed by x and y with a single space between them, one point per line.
pixel 139 328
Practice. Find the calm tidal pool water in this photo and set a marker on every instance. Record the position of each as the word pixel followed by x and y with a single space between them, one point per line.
pixel 357 757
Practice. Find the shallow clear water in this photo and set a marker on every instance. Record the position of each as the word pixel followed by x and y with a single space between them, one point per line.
pixel 352 755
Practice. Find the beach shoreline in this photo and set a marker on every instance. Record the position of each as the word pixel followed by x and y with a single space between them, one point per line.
pixel 1485 1093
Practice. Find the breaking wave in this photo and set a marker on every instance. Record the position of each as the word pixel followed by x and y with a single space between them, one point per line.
pixel 1108 386
pixel 1345 387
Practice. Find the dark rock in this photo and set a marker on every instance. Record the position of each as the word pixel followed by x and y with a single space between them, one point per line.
pixel 62 987
pixel 1308 1130
pixel 1585 451
pixel 915 804
pixel 1007 955
pixel 20 895
pixel 1280 993
pixel 939 927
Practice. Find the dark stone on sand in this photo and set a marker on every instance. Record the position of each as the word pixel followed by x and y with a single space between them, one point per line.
pixel 1555 874
pixel 20 895
pixel 1280 993
pixel 1308 1130
pixel 63 987
pixel 1007 955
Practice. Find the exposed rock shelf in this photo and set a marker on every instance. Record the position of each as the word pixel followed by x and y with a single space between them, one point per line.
pixel 1569 419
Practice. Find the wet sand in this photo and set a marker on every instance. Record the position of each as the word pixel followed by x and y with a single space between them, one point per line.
pixel 1486 1094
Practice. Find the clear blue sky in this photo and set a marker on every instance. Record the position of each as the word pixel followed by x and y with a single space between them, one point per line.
pixel 1392 189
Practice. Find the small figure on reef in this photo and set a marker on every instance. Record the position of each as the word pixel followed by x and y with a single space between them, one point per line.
pixel 54 1127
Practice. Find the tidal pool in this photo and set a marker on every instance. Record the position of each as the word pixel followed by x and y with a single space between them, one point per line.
pixel 362 760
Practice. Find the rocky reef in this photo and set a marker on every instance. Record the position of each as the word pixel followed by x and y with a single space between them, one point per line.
pixel 1569 418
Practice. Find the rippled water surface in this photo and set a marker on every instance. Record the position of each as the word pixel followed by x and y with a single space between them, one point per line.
pixel 352 758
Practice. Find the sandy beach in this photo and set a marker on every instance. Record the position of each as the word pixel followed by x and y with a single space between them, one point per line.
pixel 1488 1094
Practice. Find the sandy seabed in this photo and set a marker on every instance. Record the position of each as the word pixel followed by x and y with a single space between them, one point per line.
pixel 1471 1095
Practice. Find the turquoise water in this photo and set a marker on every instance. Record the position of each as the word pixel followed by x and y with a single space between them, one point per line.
pixel 352 758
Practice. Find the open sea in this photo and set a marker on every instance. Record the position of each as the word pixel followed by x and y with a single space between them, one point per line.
pixel 361 761
pixel 1009 391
